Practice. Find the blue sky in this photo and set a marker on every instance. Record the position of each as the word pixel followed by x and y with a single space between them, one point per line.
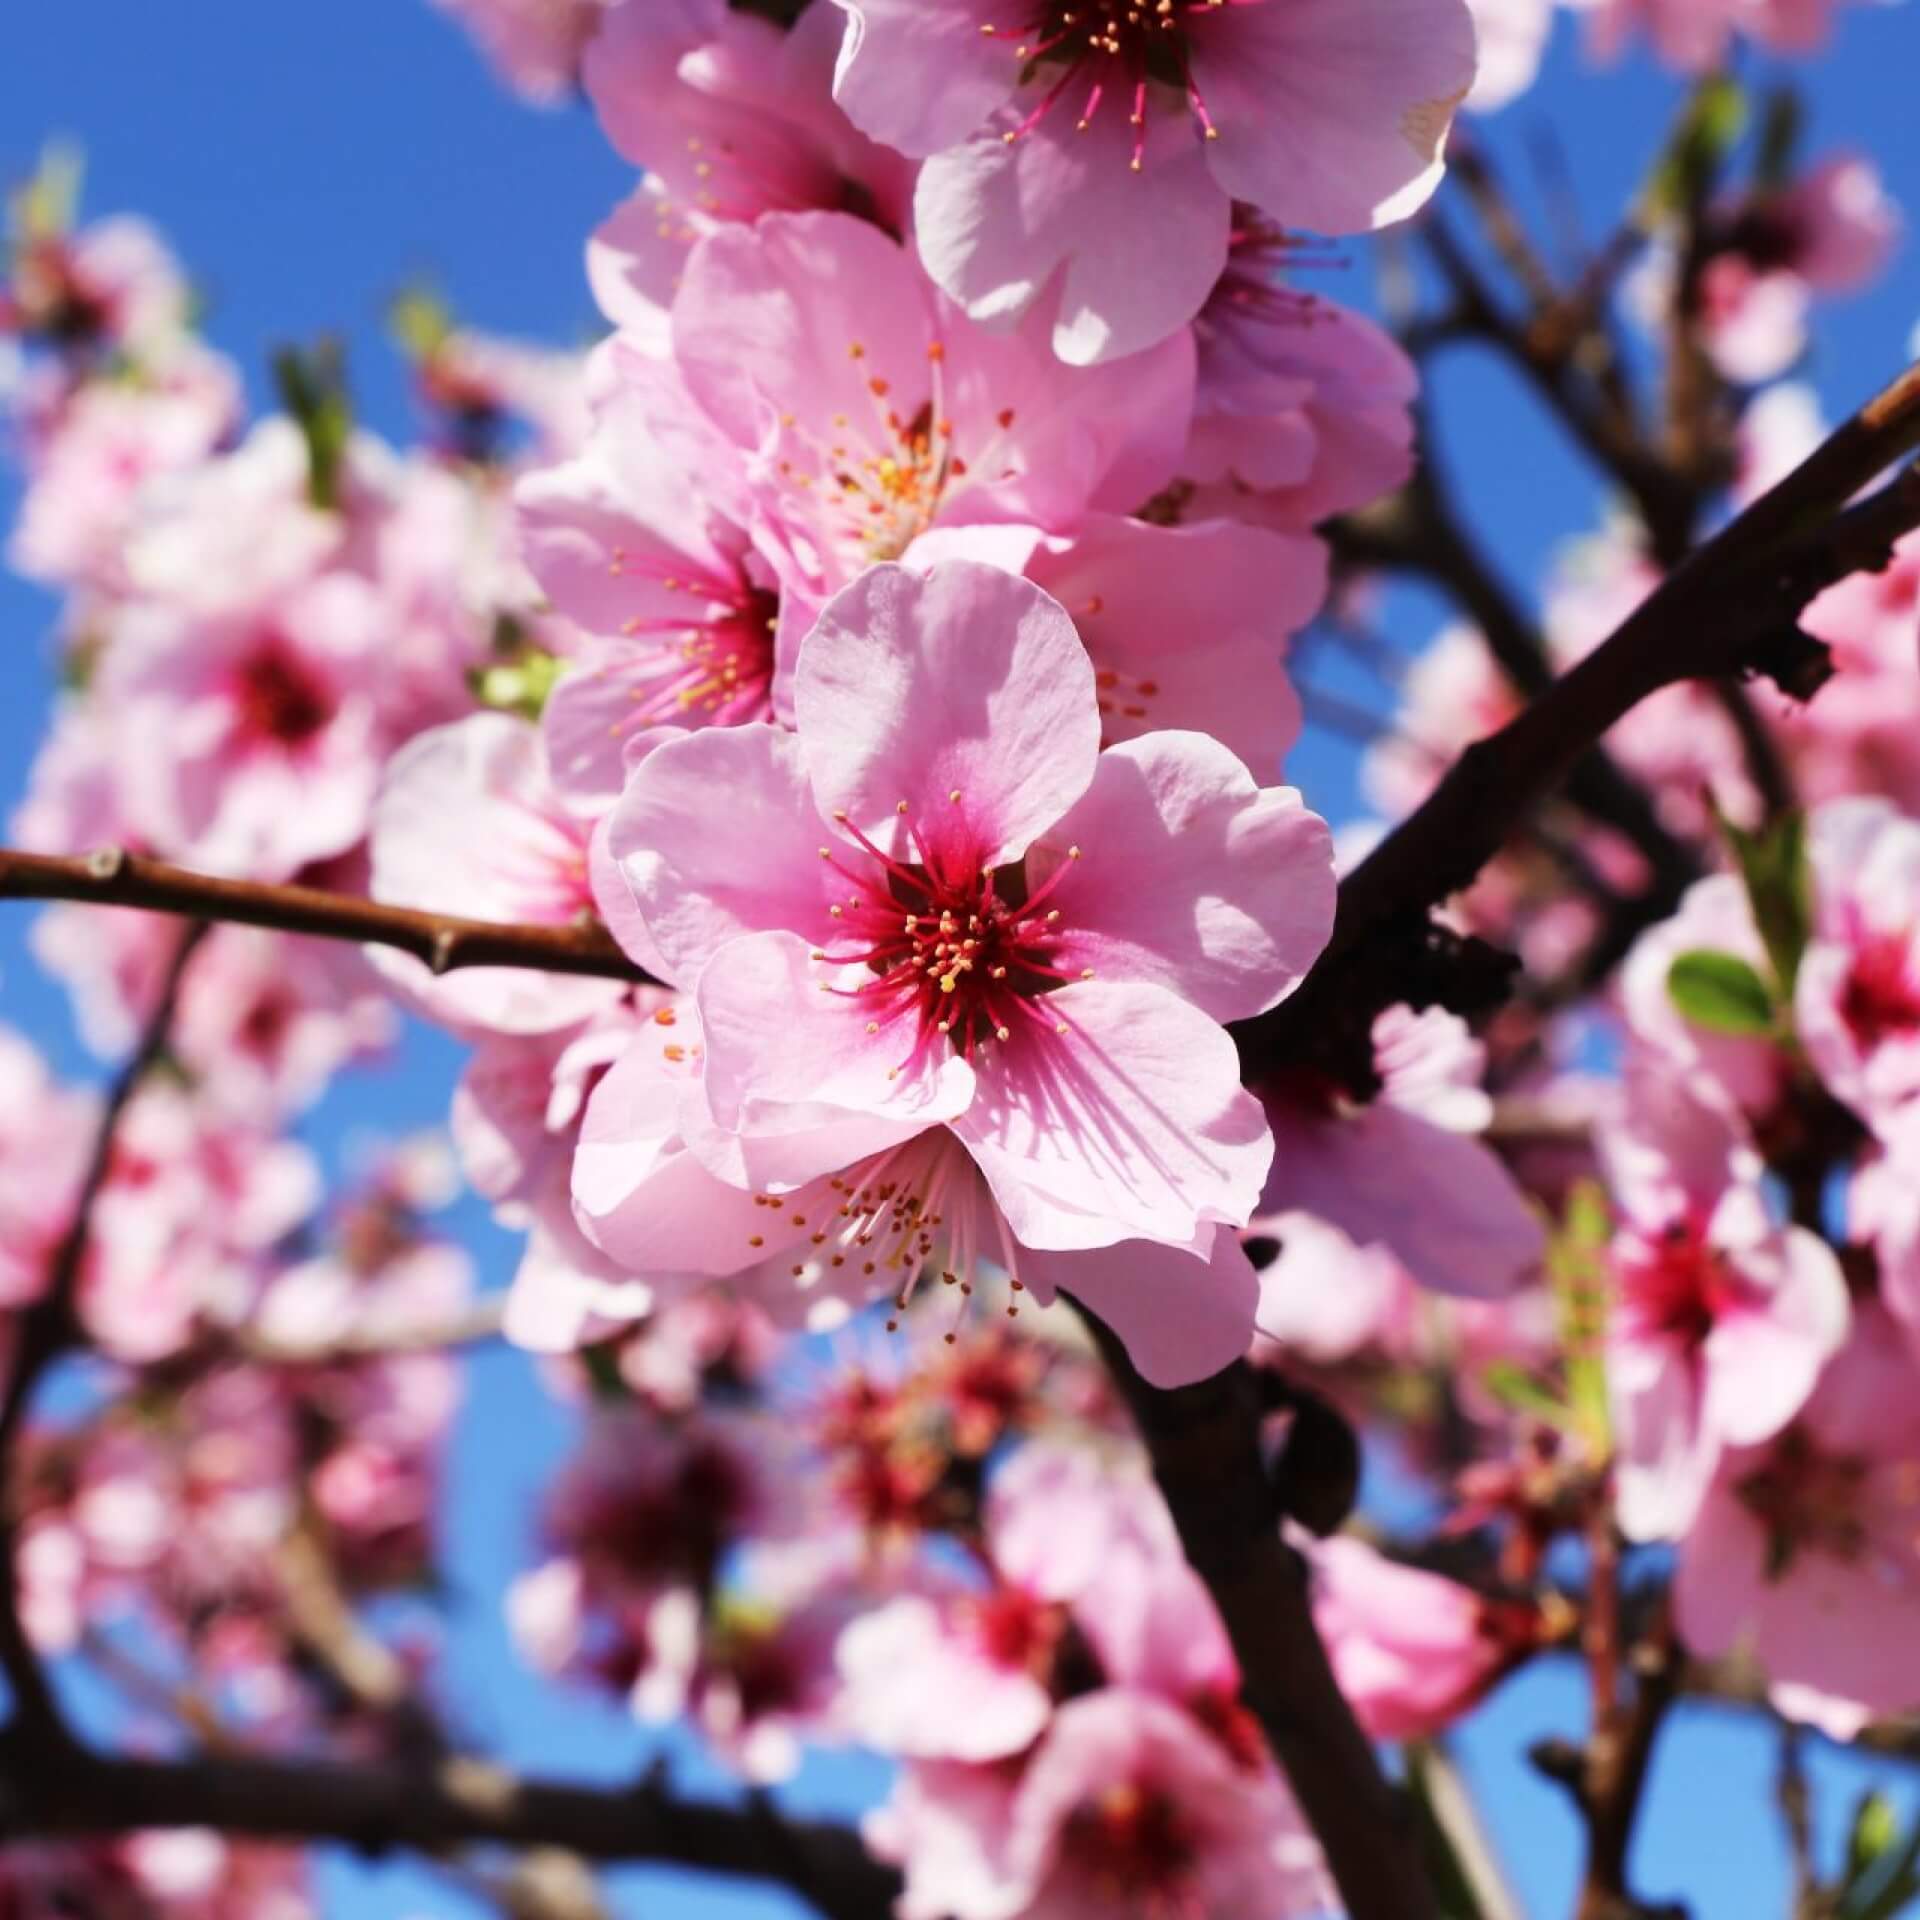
pixel 308 161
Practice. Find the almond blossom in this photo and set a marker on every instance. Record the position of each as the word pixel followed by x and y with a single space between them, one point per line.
pixel 961 1054
pixel 1857 1002
pixel 1805 1548
pixel 1404 1172
pixel 1721 1320
pixel 1085 166
pixel 731 116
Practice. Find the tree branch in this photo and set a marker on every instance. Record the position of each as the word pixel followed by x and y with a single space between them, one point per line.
pixel 59 1790
pixel 48 1327
pixel 114 878
pixel 1204 1442
pixel 1731 608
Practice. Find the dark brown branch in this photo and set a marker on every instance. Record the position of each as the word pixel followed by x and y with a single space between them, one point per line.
pixel 1416 531
pixel 1731 608
pixel 48 1328
pixel 47 1791
pixel 1667 501
pixel 1204 1442
pixel 113 878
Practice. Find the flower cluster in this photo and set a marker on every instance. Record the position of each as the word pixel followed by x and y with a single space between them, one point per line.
pixel 870 678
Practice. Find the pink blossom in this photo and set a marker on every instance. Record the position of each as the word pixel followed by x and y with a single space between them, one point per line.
pixel 1053 161
pixel 1302 408
pixel 516 1122
pixel 535 44
pixel 819 351
pixel 88 463
pixel 914 689
pixel 1742 1073
pixel 468 823
pixel 1883 1210
pixel 115 285
pixel 260 728
pixel 1127 1800
pixel 46 1139
pixel 192 1206
pixel 1694 34
pixel 1404 1171
pixel 1831 232
pixel 1186 626
pixel 266 1020
pixel 1412 1651
pixel 1857 999
pixel 1860 736
pixel 1805 1549
pixel 732 117
pixel 644 542
pixel 1721 1320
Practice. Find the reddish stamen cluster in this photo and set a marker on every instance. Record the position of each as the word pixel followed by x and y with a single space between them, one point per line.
pixel 1674 1283
pixel 1881 1000
pixel 1136 1839
pixel 1124 43
pixel 280 701
pixel 715 663
pixel 961 949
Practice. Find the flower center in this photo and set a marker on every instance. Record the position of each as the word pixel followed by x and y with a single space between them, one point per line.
pixel 1017 1631
pixel 916 1209
pixel 714 663
pixel 1674 1284
pixel 1881 1000
pixel 1806 1500
pixel 1093 46
pixel 280 701
pixel 1135 1838
pixel 881 472
pixel 960 950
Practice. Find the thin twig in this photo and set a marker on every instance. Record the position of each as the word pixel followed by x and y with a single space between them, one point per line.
pixel 444 942
pixel 1204 1442
pixel 461 1802
pixel 50 1326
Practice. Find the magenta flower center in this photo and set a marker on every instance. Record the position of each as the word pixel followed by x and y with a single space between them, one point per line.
pixel 960 950
pixel 1881 1000
pixel 1674 1284
pixel 1135 1839
pixel 281 702
pixel 714 663
pixel 1117 47
pixel 880 473
pixel 1017 1631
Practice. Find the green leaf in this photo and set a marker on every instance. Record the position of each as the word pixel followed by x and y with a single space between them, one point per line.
pixel 602 1365
pixel 1876 1827
pixel 518 686
pixel 421 321
pixel 313 388
pixel 46 206
pixel 1721 992
pixel 1885 1885
pixel 1513 1386
pixel 1773 863
pixel 1712 121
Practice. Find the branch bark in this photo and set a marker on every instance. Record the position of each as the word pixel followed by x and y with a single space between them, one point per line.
pixel 48 1328
pixel 1204 1442
pixel 56 1788
pixel 113 877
